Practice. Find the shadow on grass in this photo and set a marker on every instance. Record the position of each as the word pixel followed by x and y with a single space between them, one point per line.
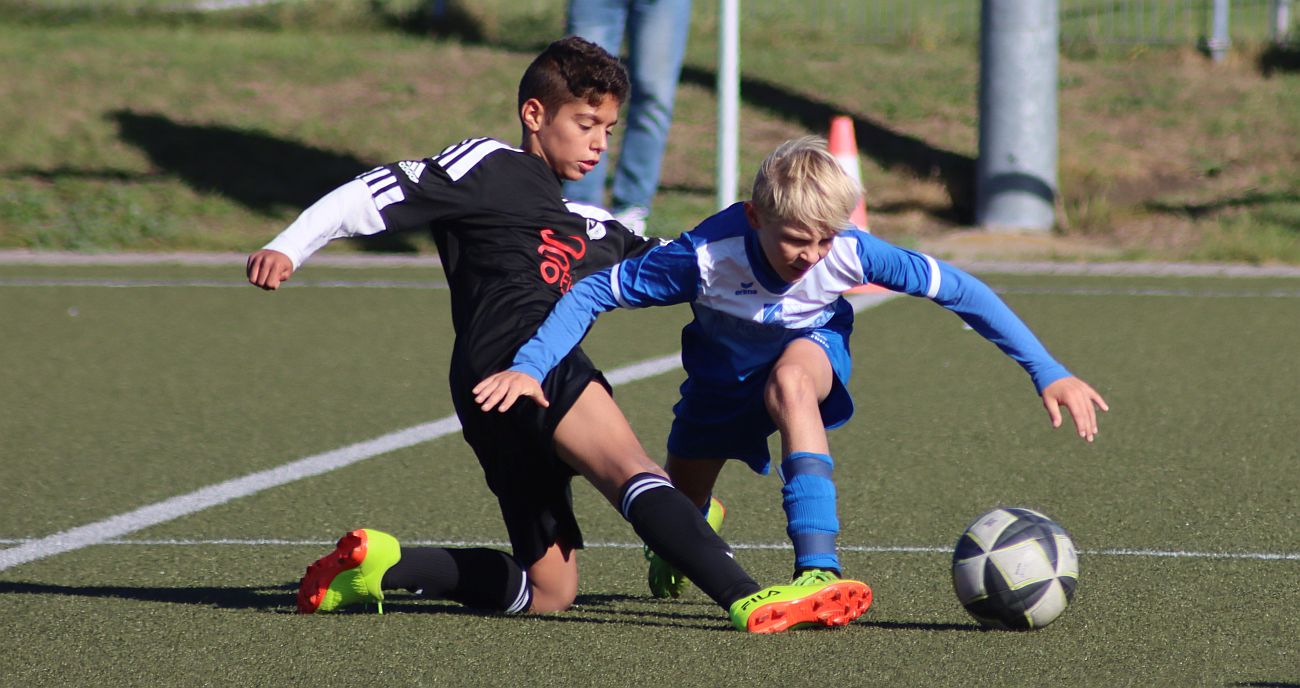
pixel 1268 684
pixel 441 19
pixel 890 149
pixel 461 20
pixel 1200 210
pixel 590 609
pixel 1280 58
pixel 587 609
pixel 54 174
pixel 277 599
pixel 925 626
pixel 695 614
pixel 264 173
pixel 688 189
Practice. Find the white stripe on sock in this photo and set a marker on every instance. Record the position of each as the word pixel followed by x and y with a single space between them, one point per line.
pixel 636 489
pixel 524 599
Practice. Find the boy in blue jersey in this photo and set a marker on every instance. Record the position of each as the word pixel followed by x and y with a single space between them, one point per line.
pixel 768 347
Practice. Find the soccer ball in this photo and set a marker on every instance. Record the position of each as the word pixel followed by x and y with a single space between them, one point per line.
pixel 1015 568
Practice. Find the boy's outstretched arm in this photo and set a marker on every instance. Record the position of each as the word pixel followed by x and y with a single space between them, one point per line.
pixel 267 269
pixel 665 275
pixel 559 333
pixel 505 387
pixel 1080 399
pixel 915 273
pixel 346 211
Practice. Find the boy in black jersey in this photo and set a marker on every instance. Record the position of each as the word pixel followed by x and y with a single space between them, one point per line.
pixel 511 246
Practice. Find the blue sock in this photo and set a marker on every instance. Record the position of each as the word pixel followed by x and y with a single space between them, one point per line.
pixel 809 500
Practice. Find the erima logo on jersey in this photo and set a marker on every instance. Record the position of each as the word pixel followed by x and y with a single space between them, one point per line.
pixel 413 169
pixel 746 288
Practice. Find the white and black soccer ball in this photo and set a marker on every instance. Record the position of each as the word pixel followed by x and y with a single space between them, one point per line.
pixel 1015 568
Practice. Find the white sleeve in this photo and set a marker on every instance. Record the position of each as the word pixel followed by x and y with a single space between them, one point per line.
pixel 347 211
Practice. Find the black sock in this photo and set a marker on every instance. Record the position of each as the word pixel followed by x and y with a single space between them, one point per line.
pixel 673 527
pixel 478 578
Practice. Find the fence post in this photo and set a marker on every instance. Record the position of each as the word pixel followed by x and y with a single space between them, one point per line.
pixel 1220 40
pixel 1015 175
pixel 1281 21
pixel 728 101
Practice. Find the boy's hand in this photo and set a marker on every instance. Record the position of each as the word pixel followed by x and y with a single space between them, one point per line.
pixel 1077 396
pixel 506 386
pixel 267 269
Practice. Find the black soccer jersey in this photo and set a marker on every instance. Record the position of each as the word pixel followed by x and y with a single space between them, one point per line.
pixel 509 243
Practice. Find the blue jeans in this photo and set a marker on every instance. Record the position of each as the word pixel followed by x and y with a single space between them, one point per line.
pixel 656 35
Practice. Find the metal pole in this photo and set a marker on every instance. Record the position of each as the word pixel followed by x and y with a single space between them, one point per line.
pixel 1281 16
pixel 1015 175
pixel 728 101
pixel 1219 39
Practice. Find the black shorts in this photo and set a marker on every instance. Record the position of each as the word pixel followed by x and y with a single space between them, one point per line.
pixel 517 452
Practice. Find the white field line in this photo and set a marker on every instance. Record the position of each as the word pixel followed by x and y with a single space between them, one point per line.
pixel 647 368
pixel 767 546
pixel 117 526
pixel 220 493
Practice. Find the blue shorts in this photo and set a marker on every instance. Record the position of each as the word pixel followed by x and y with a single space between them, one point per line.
pixel 732 422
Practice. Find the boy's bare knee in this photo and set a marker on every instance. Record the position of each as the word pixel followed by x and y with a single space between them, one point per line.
pixel 787 377
pixel 553 599
pixel 787 385
pixel 553 579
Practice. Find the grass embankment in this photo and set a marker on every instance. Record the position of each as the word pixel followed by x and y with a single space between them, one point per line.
pixel 159 130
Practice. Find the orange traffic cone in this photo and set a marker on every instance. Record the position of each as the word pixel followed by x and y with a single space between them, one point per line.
pixel 844 146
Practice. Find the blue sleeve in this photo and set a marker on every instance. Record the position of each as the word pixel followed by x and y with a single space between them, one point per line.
pixel 918 274
pixel 665 275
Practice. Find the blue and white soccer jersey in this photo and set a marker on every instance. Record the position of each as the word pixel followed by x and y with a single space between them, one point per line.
pixel 745 317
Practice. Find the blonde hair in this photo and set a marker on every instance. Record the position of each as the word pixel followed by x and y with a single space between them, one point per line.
pixel 801 183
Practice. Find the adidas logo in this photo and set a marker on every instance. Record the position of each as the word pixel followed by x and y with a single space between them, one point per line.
pixel 413 169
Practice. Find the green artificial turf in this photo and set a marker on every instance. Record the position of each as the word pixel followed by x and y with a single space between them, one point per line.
pixel 118 397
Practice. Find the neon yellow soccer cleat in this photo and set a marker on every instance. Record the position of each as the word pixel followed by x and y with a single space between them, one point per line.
pixel 783 607
pixel 349 575
pixel 664 579
pixel 815 577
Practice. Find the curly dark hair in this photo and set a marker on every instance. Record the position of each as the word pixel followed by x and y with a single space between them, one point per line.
pixel 572 69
